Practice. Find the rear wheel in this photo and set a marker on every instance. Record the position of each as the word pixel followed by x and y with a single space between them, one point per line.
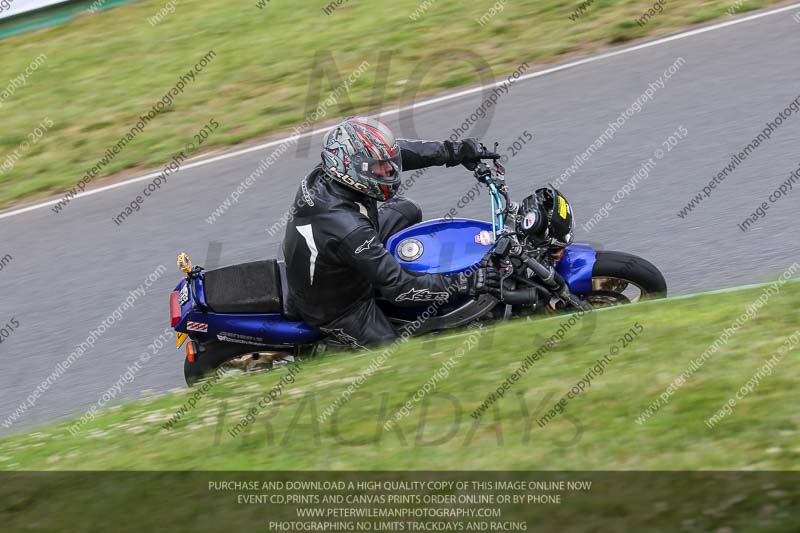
pixel 212 355
pixel 209 357
pixel 620 278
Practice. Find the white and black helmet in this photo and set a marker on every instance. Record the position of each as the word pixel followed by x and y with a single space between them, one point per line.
pixel 354 149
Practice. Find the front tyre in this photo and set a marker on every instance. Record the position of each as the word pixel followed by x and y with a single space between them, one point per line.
pixel 620 278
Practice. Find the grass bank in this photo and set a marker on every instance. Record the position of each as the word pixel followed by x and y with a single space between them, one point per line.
pixel 597 431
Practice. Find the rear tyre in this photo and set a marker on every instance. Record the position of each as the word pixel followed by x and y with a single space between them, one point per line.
pixel 620 278
pixel 210 356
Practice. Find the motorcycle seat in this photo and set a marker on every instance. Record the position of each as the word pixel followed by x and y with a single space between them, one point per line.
pixel 254 287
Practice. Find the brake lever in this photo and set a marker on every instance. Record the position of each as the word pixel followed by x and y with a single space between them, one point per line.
pixel 500 168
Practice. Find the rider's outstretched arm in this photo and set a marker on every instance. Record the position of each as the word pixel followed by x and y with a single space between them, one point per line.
pixel 423 154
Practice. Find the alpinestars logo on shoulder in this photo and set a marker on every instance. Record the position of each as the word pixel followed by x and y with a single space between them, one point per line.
pixel 365 246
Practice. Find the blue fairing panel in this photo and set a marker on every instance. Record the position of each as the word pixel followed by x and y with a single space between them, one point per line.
pixel 576 268
pixel 449 246
pixel 266 328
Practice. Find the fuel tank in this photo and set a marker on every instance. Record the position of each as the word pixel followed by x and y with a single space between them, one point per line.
pixel 441 246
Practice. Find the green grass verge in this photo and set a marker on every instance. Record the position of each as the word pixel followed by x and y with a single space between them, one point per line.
pixel 599 431
pixel 103 71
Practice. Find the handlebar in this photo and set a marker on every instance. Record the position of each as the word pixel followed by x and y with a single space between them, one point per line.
pixel 494 179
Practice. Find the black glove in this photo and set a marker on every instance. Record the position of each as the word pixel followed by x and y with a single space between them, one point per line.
pixel 479 281
pixel 468 152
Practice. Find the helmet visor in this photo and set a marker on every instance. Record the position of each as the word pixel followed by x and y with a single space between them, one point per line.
pixel 383 171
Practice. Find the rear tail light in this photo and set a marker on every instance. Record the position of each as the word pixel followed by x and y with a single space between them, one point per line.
pixel 174 309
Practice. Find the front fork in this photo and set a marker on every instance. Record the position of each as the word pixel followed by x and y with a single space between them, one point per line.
pixel 548 276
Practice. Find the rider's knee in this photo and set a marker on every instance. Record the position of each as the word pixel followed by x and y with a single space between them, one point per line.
pixel 409 209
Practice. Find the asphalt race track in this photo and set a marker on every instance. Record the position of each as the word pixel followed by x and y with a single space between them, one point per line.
pixel 73 269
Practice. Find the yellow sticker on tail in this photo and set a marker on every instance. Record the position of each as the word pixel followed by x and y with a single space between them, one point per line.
pixel 180 338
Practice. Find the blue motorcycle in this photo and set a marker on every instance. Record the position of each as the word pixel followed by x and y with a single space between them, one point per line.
pixel 237 316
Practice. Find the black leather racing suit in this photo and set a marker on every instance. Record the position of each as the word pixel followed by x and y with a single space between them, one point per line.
pixel 336 261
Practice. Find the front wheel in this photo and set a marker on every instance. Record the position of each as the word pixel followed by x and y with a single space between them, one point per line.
pixel 620 278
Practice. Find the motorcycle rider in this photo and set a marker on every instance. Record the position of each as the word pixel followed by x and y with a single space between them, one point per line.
pixel 333 247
